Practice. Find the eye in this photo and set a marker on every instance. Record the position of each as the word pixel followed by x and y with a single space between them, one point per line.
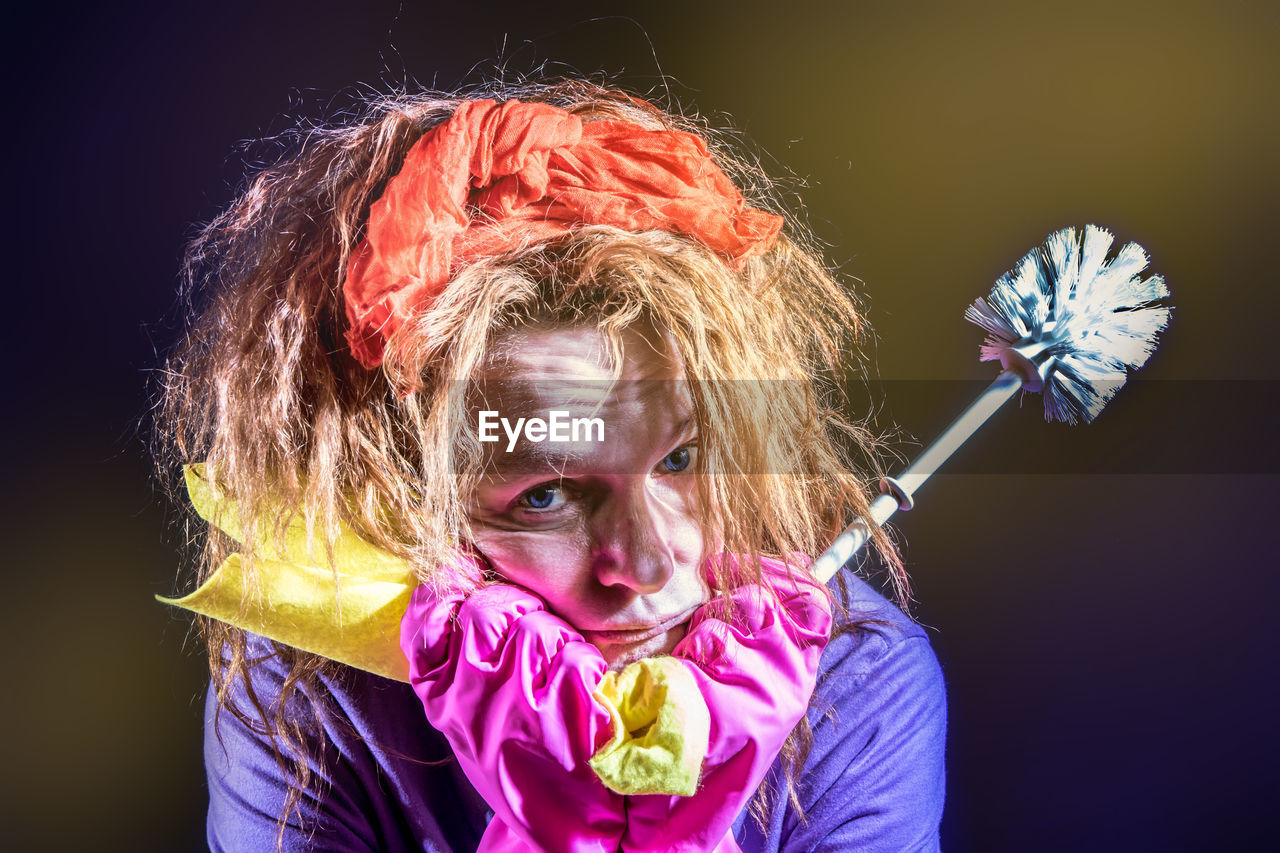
pixel 542 498
pixel 678 459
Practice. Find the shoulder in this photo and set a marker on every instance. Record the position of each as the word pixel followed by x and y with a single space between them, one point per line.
pixel 874 779
pixel 382 778
pixel 880 679
pixel 874 637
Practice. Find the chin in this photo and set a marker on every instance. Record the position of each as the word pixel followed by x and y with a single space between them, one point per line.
pixel 619 656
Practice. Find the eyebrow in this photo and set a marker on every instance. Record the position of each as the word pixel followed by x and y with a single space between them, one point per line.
pixel 545 457
pixel 536 457
pixel 682 427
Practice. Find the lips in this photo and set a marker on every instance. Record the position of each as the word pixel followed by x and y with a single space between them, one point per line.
pixel 639 634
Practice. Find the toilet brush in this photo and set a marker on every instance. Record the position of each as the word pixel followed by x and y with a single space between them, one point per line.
pixel 1068 322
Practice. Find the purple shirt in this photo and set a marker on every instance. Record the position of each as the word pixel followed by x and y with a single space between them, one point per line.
pixel 873 781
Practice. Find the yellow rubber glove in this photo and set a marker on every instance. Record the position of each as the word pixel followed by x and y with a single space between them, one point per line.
pixel 351 615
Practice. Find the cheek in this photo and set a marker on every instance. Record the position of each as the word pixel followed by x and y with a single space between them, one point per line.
pixel 551 564
pixel 683 522
pixel 685 542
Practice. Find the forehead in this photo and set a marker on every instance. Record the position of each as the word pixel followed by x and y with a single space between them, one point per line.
pixel 581 353
pixel 638 394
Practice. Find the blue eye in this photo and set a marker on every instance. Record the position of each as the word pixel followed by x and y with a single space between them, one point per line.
pixel 677 460
pixel 542 497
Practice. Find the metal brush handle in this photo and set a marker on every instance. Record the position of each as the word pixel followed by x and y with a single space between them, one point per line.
pixel 899 492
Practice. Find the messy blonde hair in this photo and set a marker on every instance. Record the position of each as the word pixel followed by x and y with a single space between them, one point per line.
pixel 264 391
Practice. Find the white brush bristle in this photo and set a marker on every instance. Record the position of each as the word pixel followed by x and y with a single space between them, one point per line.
pixel 1101 318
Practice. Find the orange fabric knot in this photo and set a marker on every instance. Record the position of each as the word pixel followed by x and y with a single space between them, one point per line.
pixel 495 176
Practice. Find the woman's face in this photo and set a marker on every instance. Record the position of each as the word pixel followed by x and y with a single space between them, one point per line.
pixel 606 531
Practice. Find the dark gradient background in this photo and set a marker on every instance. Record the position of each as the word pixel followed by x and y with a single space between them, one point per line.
pixel 1103 603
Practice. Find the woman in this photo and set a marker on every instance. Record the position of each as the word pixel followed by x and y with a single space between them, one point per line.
pixel 393 290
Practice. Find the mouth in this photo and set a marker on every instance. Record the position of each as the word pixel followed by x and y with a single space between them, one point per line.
pixel 633 636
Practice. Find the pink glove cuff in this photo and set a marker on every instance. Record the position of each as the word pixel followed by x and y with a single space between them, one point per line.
pixel 755 659
pixel 509 685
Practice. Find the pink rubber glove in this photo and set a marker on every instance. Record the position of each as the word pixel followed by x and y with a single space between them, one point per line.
pixel 756 668
pixel 509 684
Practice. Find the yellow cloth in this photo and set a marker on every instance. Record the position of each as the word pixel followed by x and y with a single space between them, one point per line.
pixel 352 616
pixel 661 728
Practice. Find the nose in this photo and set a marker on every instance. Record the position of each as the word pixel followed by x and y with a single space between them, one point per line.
pixel 632 546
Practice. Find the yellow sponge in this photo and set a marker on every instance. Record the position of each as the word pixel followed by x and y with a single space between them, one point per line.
pixel 661 727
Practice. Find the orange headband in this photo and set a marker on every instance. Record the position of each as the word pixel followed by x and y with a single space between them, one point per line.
pixel 527 172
